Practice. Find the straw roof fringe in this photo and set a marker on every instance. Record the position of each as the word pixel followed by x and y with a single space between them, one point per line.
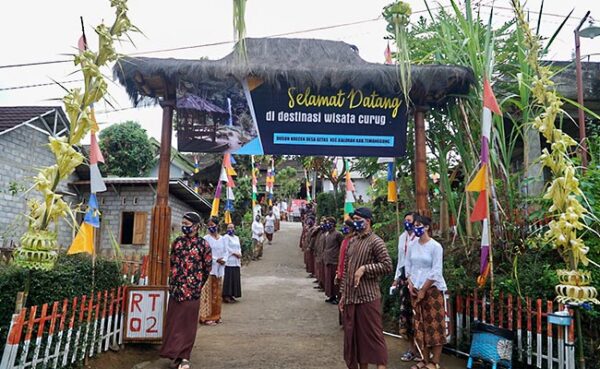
pixel 303 63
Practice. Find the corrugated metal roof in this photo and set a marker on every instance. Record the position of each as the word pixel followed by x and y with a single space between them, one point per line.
pixel 12 116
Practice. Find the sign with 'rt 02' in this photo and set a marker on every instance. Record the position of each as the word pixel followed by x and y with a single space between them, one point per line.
pixel 145 313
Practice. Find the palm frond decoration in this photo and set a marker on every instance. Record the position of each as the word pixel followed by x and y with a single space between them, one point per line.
pixel 239 27
pixel 397 15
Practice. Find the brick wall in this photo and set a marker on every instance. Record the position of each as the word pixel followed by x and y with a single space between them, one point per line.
pixel 131 198
pixel 22 151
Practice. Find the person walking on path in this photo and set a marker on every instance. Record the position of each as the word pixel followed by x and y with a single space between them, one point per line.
pixel 401 283
pixel 210 306
pixel 258 231
pixel 232 282
pixel 277 215
pixel 190 265
pixel 333 241
pixel 367 260
pixel 424 270
pixel 270 226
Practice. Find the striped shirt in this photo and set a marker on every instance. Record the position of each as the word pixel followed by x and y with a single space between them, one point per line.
pixel 369 250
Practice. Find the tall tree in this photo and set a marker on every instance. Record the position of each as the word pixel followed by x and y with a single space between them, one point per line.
pixel 127 149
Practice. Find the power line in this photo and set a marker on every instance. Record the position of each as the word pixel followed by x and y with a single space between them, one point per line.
pixel 220 43
pixel 39 85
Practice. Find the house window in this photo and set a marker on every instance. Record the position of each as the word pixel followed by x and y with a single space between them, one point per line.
pixel 133 227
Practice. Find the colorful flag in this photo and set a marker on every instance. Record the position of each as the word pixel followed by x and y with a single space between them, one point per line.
pixel 270 182
pixel 388 55
pixel 84 240
pixel 307 185
pixel 254 183
pixel 349 202
pixel 392 191
pixel 480 182
pixel 230 120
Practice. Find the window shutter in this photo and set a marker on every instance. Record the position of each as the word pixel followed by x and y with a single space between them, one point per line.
pixel 139 228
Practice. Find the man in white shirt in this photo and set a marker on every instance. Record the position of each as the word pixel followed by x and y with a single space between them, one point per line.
pixel 283 207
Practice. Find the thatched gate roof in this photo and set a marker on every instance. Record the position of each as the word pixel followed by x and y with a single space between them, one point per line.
pixel 302 62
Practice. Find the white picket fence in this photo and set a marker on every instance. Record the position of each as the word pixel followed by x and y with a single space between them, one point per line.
pixel 65 333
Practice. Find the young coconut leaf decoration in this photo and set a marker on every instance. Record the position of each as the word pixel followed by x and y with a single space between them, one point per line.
pixel 567 212
pixel 39 245
pixel 398 16
pixel 239 27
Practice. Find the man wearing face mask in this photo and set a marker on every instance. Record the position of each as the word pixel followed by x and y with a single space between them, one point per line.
pixel 401 283
pixel 210 307
pixel 318 247
pixel 190 266
pixel 366 261
pixel 333 241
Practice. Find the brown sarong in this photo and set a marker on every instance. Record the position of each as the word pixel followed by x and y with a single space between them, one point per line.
pixel 331 290
pixel 363 335
pixel 211 300
pixel 319 271
pixel 180 335
pixel 430 319
pixel 310 264
pixel 258 249
pixel 269 236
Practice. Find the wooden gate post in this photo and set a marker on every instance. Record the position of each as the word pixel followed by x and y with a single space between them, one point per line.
pixel 421 163
pixel 160 227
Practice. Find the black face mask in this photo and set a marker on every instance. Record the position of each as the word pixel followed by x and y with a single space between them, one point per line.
pixel 213 229
pixel 187 230
pixel 359 225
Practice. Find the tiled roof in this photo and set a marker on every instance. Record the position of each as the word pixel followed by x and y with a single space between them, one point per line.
pixel 11 116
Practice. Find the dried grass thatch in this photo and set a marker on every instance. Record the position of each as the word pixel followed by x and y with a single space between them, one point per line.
pixel 302 62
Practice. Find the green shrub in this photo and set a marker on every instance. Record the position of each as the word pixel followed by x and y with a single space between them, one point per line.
pixel 71 277
pixel 326 206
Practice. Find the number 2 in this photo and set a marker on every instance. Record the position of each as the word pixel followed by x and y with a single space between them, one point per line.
pixel 152 328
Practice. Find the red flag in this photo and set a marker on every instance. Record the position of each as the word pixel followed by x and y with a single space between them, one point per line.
pixel 480 210
pixel 489 100
pixel 95 153
pixel 388 55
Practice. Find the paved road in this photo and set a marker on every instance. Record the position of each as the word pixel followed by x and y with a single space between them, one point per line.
pixel 280 322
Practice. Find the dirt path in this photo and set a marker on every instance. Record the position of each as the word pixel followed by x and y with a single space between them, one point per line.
pixel 280 322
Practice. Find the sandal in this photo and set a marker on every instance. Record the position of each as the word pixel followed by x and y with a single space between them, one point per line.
pixel 408 356
pixel 174 364
pixel 185 364
pixel 432 365
pixel 419 365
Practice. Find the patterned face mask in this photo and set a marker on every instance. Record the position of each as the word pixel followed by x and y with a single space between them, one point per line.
pixel 408 226
pixel 419 231
pixel 187 229
pixel 230 232
pixel 359 225
pixel 212 229
pixel 345 230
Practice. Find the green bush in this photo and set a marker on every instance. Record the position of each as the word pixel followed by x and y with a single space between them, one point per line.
pixel 326 206
pixel 71 277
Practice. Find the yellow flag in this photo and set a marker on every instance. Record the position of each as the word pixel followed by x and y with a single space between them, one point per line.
pixel 392 192
pixel 228 217
pixel 478 183
pixel 215 207
pixel 84 241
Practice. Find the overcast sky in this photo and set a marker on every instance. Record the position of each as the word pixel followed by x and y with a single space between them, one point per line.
pixel 37 30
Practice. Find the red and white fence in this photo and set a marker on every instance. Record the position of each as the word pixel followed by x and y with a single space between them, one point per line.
pixel 135 271
pixel 538 343
pixel 55 335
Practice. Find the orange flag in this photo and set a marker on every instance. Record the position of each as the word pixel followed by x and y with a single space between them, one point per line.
pixel 480 210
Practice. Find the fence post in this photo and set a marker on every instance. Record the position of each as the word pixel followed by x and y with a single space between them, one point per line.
pixel 539 333
pixel 11 348
pixel 549 310
pixel 53 318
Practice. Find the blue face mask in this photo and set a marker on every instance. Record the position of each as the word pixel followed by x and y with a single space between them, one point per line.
pixel 187 229
pixel 230 232
pixel 408 226
pixel 419 231
pixel 345 230
pixel 212 229
pixel 359 225
pixel 322 226
pixel 328 226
